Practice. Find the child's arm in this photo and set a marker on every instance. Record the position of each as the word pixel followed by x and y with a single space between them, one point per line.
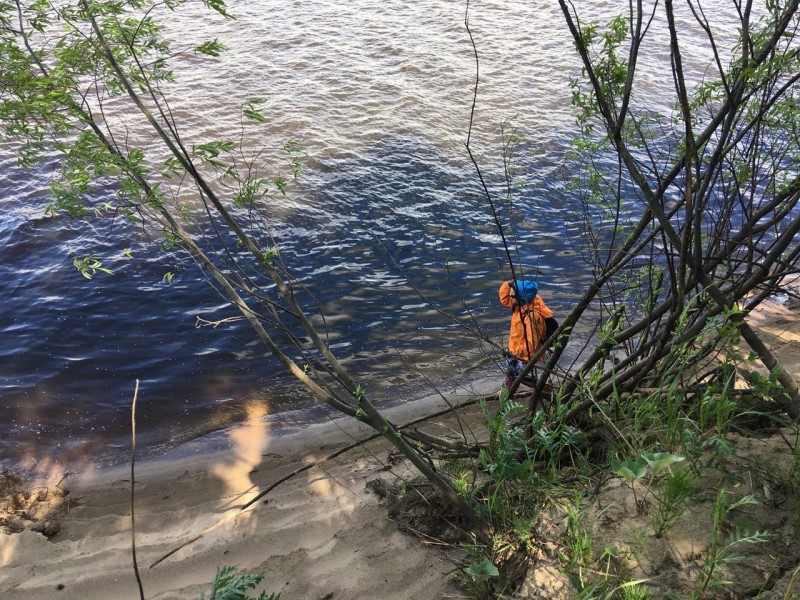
pixel 507 295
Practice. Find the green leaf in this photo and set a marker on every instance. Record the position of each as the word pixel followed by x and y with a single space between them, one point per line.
pixel 630 469
pixel 745 500
pixel 219 6
pixel 211 150
pixel 172 166
pixel 251 110
pixel 270 255
pixel 230 584
pixel 483 570
pixel 211 48
pixel 89 266
pixel 660 460
pixel 292 147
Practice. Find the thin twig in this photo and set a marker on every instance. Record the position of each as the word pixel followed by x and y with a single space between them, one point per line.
pixel 133 486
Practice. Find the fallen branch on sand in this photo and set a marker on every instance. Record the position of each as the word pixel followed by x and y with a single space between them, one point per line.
pixel 235 510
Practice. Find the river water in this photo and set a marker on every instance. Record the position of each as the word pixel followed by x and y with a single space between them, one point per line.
pixel 386 220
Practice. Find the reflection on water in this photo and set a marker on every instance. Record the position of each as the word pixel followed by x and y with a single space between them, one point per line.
pixel 248 441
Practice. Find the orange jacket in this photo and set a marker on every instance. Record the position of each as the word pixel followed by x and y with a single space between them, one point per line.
pixel 527 323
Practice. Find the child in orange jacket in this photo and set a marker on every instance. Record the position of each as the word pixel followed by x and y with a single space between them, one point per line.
pixel 532 323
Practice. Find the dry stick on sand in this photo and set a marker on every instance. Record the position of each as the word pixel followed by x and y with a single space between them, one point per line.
pixel 133 485
pixel 308 466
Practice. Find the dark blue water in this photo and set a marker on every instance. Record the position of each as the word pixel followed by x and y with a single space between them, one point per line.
pixel 384 245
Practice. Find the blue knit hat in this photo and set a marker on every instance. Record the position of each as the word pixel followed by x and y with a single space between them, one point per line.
pixel 526 291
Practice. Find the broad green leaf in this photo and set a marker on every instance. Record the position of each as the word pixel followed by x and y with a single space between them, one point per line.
pixel 483 570
pixel 660 460
pixel 631 469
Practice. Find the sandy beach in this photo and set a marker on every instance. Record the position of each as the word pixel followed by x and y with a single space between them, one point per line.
pixel 321 534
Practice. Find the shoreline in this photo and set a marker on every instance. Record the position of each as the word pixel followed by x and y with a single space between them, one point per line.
pixel 321 534
pixel 286 437
pixel 321 530
pixel 250 438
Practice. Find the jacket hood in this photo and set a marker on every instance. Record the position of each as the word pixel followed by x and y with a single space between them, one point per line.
pixel 526 291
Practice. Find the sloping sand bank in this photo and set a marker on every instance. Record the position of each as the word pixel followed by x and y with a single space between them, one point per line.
pixel 319 535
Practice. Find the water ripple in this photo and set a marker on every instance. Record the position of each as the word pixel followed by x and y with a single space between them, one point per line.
pixel 388 211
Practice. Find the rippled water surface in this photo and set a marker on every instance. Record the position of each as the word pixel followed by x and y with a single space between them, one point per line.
pixel 387 217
